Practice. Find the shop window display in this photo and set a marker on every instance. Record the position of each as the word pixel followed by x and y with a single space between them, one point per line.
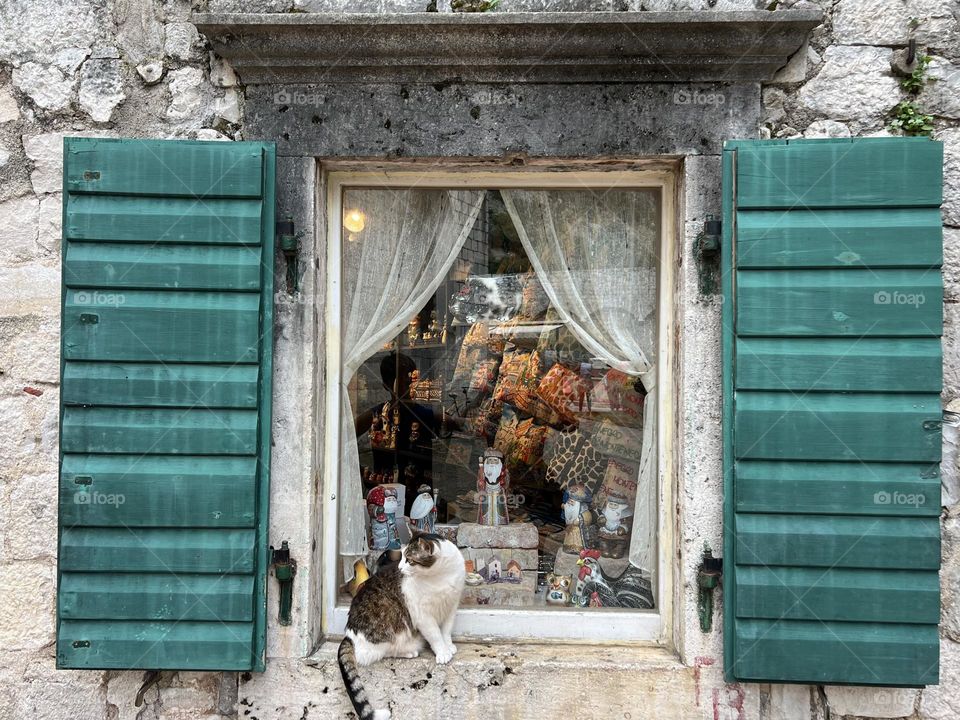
pixel 498 387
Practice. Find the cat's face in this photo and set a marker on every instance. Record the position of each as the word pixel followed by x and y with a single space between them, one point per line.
pixel 420 555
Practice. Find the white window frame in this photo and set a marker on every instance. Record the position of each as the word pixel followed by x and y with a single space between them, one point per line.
pixel 540 625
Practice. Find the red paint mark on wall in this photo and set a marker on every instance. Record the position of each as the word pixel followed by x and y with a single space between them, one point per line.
pixel 700 662
pixel 37 392
pixel 728 702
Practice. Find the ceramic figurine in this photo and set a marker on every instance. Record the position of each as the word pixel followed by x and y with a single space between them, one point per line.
pixel 433 329
pixel 493 483
pixel 413 330
pixel 423 512
pixel 613 529
pixel 379 526
pixel 631 588
pixel 578 517
pixel 558 589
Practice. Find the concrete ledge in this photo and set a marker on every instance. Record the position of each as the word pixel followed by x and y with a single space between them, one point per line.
pixel 522 47
pixel 492 681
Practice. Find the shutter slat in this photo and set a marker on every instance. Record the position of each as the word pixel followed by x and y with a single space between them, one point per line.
pixel 108 267
pixel 851 302
pixel 832 319
pixel 164 220
pixel 92 549
pixel 822 652
pixel 166 349
pixel 158 491
pixel 838 488
pixel 858 364
pixel 161 326
pixel 137 596
pixel 851 174
pixel 859 427
pixel 831 541
pixel 170 645
pixel 158 385
pixel 195 170
pixel 841 594
pixel 839 238
pixel 180 431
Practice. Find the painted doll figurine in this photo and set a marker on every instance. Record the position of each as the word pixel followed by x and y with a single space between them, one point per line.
pixel 578 517
pixel 423 512
pixel 493 483
pixel 382 508
pixel 613 528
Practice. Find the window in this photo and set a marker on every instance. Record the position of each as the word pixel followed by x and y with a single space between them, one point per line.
pixel 499 343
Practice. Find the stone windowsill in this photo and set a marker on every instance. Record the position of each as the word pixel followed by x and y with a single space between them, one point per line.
pixel 521 47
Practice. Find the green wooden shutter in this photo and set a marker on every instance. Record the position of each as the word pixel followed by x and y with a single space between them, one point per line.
pixel 165 403
pixel 832 375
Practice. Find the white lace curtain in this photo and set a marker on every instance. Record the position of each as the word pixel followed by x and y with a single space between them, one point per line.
pixel 409 242
pixel 595 253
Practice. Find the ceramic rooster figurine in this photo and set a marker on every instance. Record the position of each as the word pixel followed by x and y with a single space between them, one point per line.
pixel 594 587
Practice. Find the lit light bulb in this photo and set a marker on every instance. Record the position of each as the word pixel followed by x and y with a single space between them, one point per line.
pixel 354 221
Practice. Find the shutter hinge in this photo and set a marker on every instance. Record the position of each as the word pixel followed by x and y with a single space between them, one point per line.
pixel 289 245
pixel 284 569
pixel 706 253
pixel 708 578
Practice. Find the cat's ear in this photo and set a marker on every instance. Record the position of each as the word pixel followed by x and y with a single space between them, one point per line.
pixel 425 544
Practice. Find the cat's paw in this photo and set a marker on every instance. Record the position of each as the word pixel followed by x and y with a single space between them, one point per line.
pixel 444 655
pixel 381 714
pixel 452 647
pixel 413 654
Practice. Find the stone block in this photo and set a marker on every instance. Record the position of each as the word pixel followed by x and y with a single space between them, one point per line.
pixel 951 175
pixel 854 83
pixel 515 535
pixel 882 22
pixel 187 95
pixel 941 96
pixel 27 592
pixel 101 88
pixel 9 110
pixel 870 701
pixel 19 223
pixel 182 41
pixel 29 290
pixel 46 86
pixel 31 531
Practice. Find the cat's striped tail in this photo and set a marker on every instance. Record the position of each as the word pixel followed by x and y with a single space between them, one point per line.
pixel 347 658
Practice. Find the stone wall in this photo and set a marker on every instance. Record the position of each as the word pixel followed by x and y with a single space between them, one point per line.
pixel 138 68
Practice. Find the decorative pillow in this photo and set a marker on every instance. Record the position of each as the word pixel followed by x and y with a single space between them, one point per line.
pixel 558 389
pixel 528 447
pixel 571 457
pixel 512 369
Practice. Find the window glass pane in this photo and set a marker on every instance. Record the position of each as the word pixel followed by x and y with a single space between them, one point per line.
pixel 499 365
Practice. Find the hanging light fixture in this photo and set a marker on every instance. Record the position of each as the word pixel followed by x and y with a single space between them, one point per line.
pixel 354 221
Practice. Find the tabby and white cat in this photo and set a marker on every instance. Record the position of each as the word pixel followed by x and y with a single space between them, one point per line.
pixel 400 607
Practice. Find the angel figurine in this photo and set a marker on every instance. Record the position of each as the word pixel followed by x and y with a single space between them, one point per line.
pixel 493 482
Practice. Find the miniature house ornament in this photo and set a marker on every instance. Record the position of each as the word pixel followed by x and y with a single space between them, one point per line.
pixel 613 528
pixel 492 486
pixel 577 516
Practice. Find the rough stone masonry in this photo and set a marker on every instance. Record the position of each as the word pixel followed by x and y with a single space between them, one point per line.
pixel 139 68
